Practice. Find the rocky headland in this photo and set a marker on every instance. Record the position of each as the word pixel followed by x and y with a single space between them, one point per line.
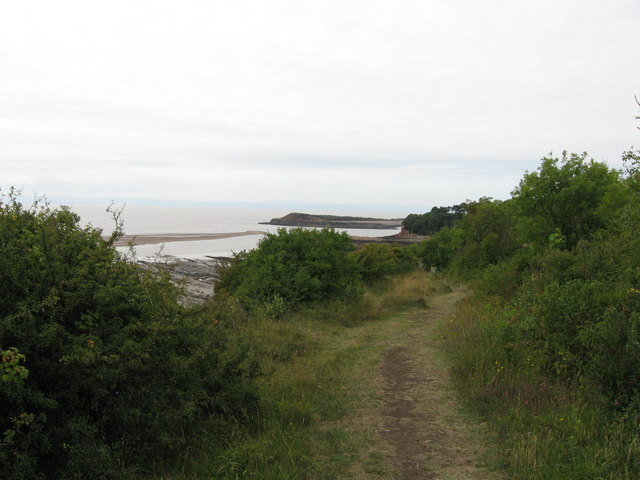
pixel 307 220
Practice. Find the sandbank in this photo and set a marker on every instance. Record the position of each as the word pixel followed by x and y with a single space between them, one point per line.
pixel 149 239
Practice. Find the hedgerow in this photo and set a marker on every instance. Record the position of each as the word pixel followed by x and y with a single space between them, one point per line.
pixel 551 336
pixel 379 260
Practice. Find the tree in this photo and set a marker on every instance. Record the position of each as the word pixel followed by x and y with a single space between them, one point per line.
pixel 562 197
pixel 489 228
pixel 431 222
pixel 377 260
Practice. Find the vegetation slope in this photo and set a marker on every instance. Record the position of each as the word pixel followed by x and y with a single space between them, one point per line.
pixel 548 348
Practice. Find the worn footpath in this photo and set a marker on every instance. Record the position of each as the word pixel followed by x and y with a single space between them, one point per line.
pixel 407 409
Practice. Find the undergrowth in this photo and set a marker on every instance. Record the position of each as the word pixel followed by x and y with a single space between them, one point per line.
pixel 304 386
pixel 548 429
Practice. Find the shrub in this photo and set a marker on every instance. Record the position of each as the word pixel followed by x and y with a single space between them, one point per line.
pixel 440 249
pixel 295 266
pixel 377 260
pixel 119 374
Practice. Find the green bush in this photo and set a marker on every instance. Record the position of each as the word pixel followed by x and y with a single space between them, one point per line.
pixel 120 376
pixel 377 260
pixel 439 250
pixel 502 279
pixel 490 234
pixel 293 266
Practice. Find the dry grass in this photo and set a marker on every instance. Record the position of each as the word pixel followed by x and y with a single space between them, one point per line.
pixel 411 290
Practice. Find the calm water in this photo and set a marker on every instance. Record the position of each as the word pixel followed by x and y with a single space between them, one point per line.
pixel 157 220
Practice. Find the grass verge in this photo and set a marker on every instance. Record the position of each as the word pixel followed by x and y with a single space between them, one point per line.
pixel 547 430
pixel 317 367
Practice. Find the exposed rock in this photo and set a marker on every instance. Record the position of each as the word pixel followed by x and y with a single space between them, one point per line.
pixel 198 276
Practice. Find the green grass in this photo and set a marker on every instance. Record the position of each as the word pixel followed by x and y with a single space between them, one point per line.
pixel 316 372
pixel 316 381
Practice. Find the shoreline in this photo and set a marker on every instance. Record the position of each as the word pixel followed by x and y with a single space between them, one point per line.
pixel 153 238
pixel 158 238
pixel 198 275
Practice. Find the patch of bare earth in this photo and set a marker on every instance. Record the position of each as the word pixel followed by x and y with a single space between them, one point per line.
pixel 424 432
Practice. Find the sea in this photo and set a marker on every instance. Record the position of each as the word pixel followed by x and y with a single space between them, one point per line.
pixel 139 220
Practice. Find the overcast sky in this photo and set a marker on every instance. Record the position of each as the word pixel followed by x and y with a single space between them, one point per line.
pixel 404 103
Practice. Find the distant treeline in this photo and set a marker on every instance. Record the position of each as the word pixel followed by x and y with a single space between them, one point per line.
pixel 433 221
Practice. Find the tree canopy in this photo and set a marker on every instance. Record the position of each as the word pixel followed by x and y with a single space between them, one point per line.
pixel 563 197
pixel 433 221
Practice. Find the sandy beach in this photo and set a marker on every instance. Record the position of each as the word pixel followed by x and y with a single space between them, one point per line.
pixel 149 239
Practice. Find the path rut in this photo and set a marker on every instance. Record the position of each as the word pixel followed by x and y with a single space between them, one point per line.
pixel 426 432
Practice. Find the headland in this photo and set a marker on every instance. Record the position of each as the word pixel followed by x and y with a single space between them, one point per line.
pixel 296 219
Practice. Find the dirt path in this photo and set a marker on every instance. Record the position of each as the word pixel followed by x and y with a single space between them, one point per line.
pixel 400 418
pixel 417 428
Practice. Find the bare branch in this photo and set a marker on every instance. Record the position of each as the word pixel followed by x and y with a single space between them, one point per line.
pixel 116 215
